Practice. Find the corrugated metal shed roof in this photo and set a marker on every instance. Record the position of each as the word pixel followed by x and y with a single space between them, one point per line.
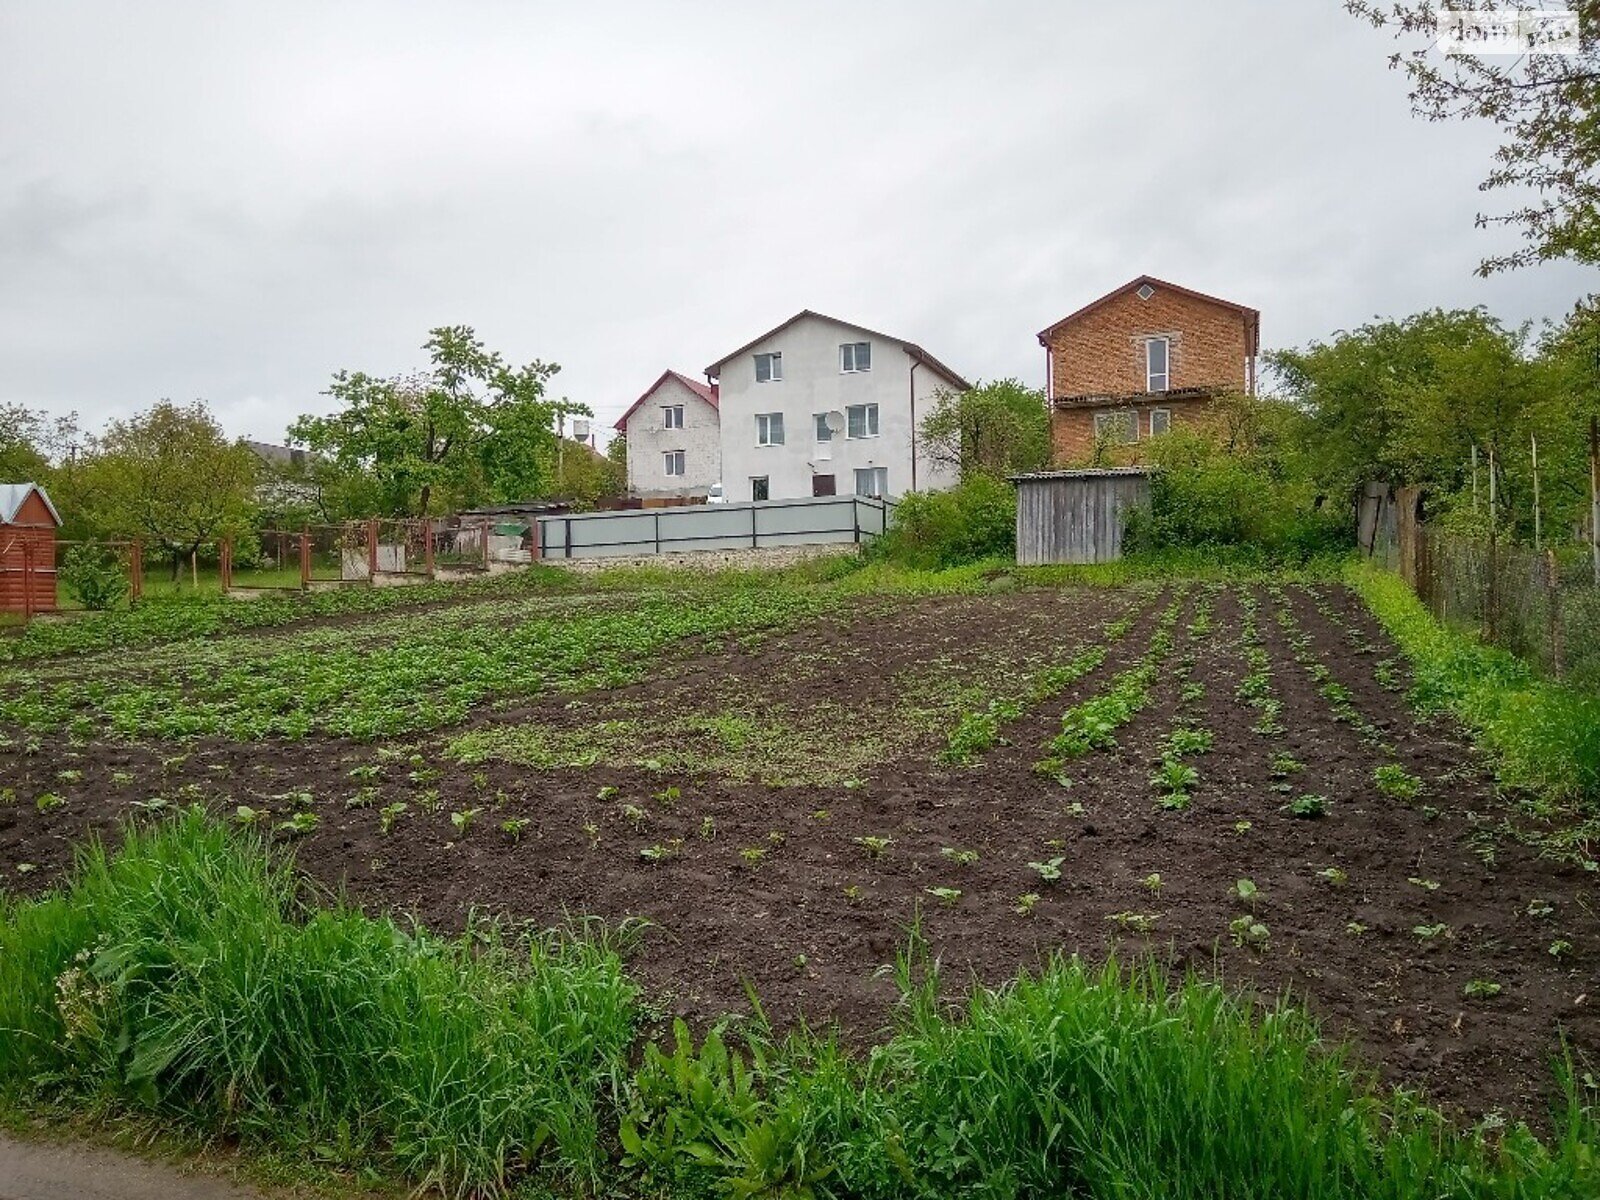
pixel 13 495
pixel 1083 473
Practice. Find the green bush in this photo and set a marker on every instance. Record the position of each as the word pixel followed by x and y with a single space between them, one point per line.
pixel 184 978
pixel 973 521
pixel 93 576
pixel 1226 504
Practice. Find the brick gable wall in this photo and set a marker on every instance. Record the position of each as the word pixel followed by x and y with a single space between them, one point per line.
pixel 1102 352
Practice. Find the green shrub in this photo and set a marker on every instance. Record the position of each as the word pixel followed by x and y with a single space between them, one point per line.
pixel 1224 503
pixel 93 576
pixel 973 521
pixel 184 978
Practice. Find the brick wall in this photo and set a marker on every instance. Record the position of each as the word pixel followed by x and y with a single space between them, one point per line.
pixel 1102 352
pixel 1072 429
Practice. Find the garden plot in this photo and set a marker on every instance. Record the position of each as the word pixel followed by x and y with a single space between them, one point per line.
pixel 781 782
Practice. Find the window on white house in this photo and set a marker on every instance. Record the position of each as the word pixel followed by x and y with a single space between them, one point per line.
pixel 824 434
pixel 872 481
pixel 758 487
pixel 1116 427
pixel 769 367
pixel 672 461
pixel 769 429
pixel 1160 421
pixel 855 356
pixel 861 420
pixel 672 416
pixel 1156 374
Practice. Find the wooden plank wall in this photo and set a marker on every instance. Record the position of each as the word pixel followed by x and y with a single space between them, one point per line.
pixel 1076 520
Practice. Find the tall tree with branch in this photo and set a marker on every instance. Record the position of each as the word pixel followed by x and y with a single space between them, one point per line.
pixel 170 476
pixel 470 427
pixel 1547 106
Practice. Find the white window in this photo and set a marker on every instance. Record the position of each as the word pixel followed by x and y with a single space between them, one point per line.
pixel 861 421
pixel 672 462
pixel 758 487
pixel 1160 421
pixel 769 429
pixel 855 356
pixel 1116 427
pixel 824 433
pixel 672 416
pixel 872 481
pixel 1155 364
pixel 769 367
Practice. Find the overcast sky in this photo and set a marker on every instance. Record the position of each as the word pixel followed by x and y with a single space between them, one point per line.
pixel 231 201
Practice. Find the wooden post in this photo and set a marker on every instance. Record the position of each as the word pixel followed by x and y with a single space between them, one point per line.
pixel 225 564
pixel 136 570
pixel 1537 530
pixel 27 580
pixel 1553 611
pixel 194 568
pixel 427 545
pixel 372 550
pixel 487 526
pixel 1492 592
pixel 1594 495
pixel 536 537
pixel 305 559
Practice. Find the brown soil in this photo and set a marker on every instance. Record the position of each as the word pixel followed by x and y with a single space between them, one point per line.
pixel 811 923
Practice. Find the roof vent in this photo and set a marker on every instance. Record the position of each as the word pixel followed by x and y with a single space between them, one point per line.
pixel 1145 291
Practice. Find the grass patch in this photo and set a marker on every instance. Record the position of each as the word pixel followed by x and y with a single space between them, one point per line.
pixel 185 977
pixel 1545 736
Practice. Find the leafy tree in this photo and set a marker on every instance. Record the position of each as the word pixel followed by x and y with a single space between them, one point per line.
pixel 1544 105
pixel 996 428
pixel 1398 400
pixel 470 428
pixel 171 476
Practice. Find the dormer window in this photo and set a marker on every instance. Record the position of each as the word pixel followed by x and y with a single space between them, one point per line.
pixel 1157 376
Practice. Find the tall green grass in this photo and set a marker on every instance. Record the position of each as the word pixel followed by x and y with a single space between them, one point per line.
pixel 186 978
pixel 182 977
pixel 1074 1082
pixel 1545 736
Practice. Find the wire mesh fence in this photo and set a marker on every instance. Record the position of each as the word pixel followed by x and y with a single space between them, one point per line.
pixel 1542 605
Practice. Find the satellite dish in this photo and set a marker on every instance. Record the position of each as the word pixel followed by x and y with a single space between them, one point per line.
pixel 835 421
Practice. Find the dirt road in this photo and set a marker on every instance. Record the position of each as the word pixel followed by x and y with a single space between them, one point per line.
pixel 51 1171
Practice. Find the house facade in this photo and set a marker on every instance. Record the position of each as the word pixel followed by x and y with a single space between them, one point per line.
pixel 1143 359
pixel 822 407
pixel 674 439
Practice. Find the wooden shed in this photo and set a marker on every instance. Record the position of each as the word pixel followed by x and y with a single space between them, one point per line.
pixel 28 524
pixel 1076 516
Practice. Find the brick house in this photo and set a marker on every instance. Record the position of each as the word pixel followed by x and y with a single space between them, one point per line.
pixel 1141 359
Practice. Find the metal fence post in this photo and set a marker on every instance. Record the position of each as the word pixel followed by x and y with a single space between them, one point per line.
pixel 755 543
pixel 484 535
pixel 136 570
pixel 372 551
pixel 658 531
pixel 427 546
pixel 305 560
pixel 855 516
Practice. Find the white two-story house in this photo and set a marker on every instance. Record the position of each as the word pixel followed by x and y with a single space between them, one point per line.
pixel 674 440
pixel 821 407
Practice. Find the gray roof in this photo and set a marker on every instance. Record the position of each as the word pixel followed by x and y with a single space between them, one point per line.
pixel 13 495
pixel 1083 473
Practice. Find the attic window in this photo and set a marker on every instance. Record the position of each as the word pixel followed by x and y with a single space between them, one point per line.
pixel 1145 291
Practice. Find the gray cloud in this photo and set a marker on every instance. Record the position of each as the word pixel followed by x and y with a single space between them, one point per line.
pixel 232 202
